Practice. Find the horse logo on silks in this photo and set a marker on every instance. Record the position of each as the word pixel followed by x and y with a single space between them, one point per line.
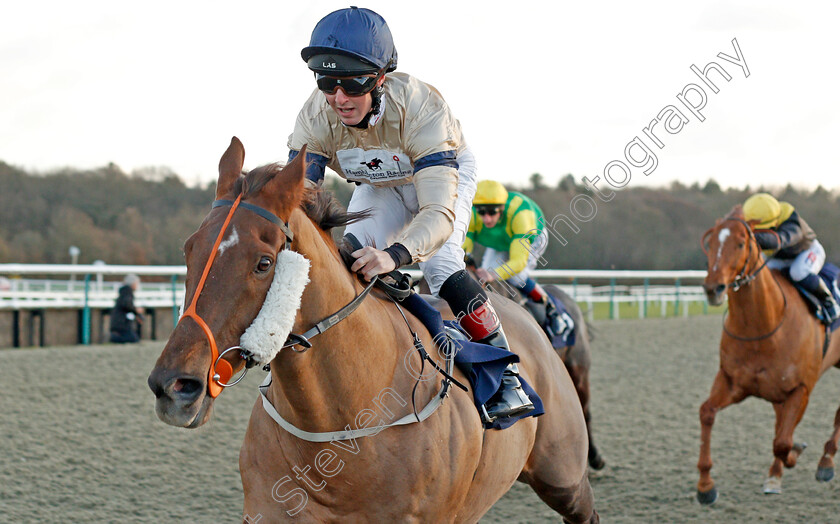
pixel 374 164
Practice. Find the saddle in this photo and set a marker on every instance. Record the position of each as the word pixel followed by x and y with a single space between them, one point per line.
pixel 829 274
pixel 484 365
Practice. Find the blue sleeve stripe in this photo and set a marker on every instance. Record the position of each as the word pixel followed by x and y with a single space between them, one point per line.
pixel 315 165
pixel 443 158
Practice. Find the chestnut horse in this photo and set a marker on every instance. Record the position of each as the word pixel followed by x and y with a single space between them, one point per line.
pixel 771 348
pixel 447 468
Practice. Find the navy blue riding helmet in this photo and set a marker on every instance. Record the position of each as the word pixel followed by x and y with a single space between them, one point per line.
pixel 346 43
pixel 353 41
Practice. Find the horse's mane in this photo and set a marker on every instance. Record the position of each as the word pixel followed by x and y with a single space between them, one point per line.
pixel 319 205
pixel 327 212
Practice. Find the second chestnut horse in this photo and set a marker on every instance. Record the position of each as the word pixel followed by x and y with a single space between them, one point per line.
pixel 771 348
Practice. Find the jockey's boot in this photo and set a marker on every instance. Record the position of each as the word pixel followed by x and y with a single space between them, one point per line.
pixel 476 315
pixel 830 306
pixel 555 323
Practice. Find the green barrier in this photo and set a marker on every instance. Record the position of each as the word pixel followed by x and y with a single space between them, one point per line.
pixel 86 314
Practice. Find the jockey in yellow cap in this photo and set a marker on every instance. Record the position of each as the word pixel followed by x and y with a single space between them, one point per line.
pixel 793 246
pixel 510 226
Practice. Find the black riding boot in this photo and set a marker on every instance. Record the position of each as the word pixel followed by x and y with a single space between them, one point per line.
pixel 830 306
pixel 556 324
pixel 476 315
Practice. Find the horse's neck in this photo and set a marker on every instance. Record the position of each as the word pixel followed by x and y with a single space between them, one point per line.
pixel 347 365
pixel 758 307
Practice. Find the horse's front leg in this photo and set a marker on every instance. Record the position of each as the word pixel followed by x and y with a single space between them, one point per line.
pixel 721 396
pixel 788 415
pixel 825 469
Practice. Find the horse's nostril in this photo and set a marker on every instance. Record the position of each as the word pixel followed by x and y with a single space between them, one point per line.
pixel 720 289
pixel 156 387
pixel 186 387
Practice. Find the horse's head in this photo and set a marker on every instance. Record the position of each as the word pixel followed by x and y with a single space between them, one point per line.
pixel 230 267
pixel 730 249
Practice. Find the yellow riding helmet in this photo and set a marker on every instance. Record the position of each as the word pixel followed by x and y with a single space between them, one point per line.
pixel 764 208
pixel 490 192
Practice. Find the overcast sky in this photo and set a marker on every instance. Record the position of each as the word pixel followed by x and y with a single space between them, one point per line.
pixel 549 87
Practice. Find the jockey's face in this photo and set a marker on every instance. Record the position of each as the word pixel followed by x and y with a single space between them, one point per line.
pixel 351 109
pixel 491 219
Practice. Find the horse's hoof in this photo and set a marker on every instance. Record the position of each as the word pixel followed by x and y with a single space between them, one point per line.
pixel 825 474
pixel 773 486
pixel 708 497
pixel 799 447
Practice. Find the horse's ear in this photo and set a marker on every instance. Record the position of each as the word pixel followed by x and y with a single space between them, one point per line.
pixel 295 170
pixel 230 167
pixel 288 183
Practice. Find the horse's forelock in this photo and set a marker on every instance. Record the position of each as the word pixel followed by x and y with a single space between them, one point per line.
pixel 257 178
pixel 319 205
pixel 736 212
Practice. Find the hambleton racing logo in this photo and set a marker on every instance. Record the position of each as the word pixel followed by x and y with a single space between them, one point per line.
pixel 376 165
pixel 373 164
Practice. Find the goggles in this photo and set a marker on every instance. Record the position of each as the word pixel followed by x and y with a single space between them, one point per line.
pixel 488 210
pixel 352 86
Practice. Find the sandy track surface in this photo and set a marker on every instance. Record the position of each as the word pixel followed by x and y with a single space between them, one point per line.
pixel 79 440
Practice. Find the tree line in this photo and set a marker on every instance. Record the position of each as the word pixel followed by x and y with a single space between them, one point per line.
pixel 145 217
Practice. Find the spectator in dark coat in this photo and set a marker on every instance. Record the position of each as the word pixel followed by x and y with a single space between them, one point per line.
pixel 126 317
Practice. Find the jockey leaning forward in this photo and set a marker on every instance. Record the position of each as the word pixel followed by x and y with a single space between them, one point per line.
pixel 510 226
pixel 396 138
pixel 780 230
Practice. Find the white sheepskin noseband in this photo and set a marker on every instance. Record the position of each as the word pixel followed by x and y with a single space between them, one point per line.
pixel 265 337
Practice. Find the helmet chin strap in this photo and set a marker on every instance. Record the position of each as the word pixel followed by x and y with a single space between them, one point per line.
pixel 376 102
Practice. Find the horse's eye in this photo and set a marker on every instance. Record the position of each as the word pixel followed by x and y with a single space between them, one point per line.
pixel 741 245
pixel 264 264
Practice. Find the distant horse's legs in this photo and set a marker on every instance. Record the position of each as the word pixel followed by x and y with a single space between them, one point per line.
pixel 580 378
pixel 825 469
pixel 721 396
pixel 788 415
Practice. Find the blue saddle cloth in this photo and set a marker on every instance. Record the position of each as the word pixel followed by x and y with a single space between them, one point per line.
pixel 486 362
pixel 829 274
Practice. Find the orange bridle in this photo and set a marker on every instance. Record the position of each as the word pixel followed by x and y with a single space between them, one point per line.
pixel 221 371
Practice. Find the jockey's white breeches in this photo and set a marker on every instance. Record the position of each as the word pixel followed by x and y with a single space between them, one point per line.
pixel 809 262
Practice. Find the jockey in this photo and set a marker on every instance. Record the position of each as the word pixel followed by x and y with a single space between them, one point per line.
pixel 510 226
pixel 396 138
pixel 793 244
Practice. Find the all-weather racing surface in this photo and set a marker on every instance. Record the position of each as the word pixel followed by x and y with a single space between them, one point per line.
pixel 81 441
